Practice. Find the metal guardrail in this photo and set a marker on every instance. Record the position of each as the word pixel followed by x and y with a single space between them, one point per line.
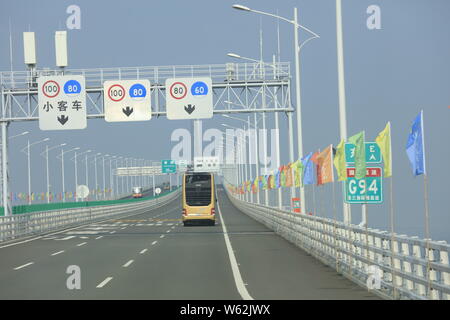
pixel 407 271
pixel 157 74
pixel 17 226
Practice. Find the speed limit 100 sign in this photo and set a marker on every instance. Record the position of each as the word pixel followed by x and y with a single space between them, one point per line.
pixel 127 100
pixel 189 98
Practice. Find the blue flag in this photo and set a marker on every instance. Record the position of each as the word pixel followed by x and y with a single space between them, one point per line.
pixel 415 146
pixel 308 171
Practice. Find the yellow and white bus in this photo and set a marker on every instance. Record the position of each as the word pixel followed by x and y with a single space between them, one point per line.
pixel 199 198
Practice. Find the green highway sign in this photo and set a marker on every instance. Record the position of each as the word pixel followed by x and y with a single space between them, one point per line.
pixel 168 166
pixel 373 153
pixel 367 190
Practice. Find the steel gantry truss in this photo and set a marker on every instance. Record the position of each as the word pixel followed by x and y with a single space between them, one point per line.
pixel 237 88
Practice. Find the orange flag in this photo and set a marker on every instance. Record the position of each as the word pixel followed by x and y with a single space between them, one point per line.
pixel 325 172
pixel 289 176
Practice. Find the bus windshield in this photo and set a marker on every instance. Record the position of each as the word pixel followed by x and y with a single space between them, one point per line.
pixel 198 189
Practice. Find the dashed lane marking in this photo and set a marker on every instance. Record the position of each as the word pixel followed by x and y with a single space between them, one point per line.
pixel 128 263
pixel 104 282
pixel 23 266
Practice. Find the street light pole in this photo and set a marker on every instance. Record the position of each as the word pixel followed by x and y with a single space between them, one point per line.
pixel 47 149
pixel 341 88
pixel 29 164
pixel 297 83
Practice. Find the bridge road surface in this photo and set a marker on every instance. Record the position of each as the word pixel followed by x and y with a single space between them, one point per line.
pixel 153 256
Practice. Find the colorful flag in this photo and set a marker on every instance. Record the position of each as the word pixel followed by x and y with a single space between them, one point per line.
pixel 325 172
pixel 297 167
pixel 339 161
pixel 289 177
pixel 415 148
pixel 383 140
pixel 282 171
pixel 308 169
pixel 359 154
pixel 278 179
pixel 264 182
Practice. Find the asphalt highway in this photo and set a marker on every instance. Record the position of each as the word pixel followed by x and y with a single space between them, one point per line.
pixel 153 256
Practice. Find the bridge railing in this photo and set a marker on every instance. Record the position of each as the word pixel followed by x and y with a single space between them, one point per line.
pixel 392 266
pixel 17 226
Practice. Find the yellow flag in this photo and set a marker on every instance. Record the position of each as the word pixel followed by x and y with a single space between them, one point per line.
pixel 339 161
pixel 384 142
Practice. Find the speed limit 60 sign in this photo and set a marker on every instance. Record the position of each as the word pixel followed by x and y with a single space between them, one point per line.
pixel 189 98
pixel 127 100
pixel 62 102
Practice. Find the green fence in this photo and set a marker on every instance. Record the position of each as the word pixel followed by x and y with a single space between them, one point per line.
pixel 68 205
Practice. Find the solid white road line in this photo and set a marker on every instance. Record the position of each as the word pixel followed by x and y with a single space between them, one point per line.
pixel 81 244
pixel 234 265
pixel 56 253
pixel 104 282
pixel 23 266
pixel 128 263
pixel 143 251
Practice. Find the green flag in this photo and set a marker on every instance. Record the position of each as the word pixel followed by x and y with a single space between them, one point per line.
pixel 339 161
pixel 359 154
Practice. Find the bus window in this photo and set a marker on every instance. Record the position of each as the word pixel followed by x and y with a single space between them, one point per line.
pixel 198 189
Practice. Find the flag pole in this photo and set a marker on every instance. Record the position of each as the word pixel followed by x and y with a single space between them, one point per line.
pixel 427 215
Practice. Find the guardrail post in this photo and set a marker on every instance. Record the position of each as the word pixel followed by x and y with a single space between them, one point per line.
pixel 386 258
pixel 445 276
pixel 397 265
pixel 407 265
pixel 418 269
pixel 434 294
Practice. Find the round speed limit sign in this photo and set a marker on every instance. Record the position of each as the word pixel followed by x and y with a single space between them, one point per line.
pixel 50 89
pixel 116 92
pixel 178 90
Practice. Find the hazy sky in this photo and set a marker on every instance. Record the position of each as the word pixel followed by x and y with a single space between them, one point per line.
pixel 391 74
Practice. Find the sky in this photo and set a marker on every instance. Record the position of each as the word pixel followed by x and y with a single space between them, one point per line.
pixel 391 74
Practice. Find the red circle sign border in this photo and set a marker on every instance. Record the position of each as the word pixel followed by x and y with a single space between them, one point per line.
pixel 116 85
pixel 43 86
pixel 185 90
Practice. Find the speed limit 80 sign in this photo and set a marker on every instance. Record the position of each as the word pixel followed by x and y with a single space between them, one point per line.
pixel 189 98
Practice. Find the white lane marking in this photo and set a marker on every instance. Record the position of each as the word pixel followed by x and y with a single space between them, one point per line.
pixel 104 282
pixel 162 236
pixel 143 251
pixel 154 242
pixel 234 266
pixel 167 231
pixel 82 232
pixel 66 238
pixel 56 253
pixel 99 237
pixel 112 232
pixel 81 244
pixel 23 266
pixel 128 263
